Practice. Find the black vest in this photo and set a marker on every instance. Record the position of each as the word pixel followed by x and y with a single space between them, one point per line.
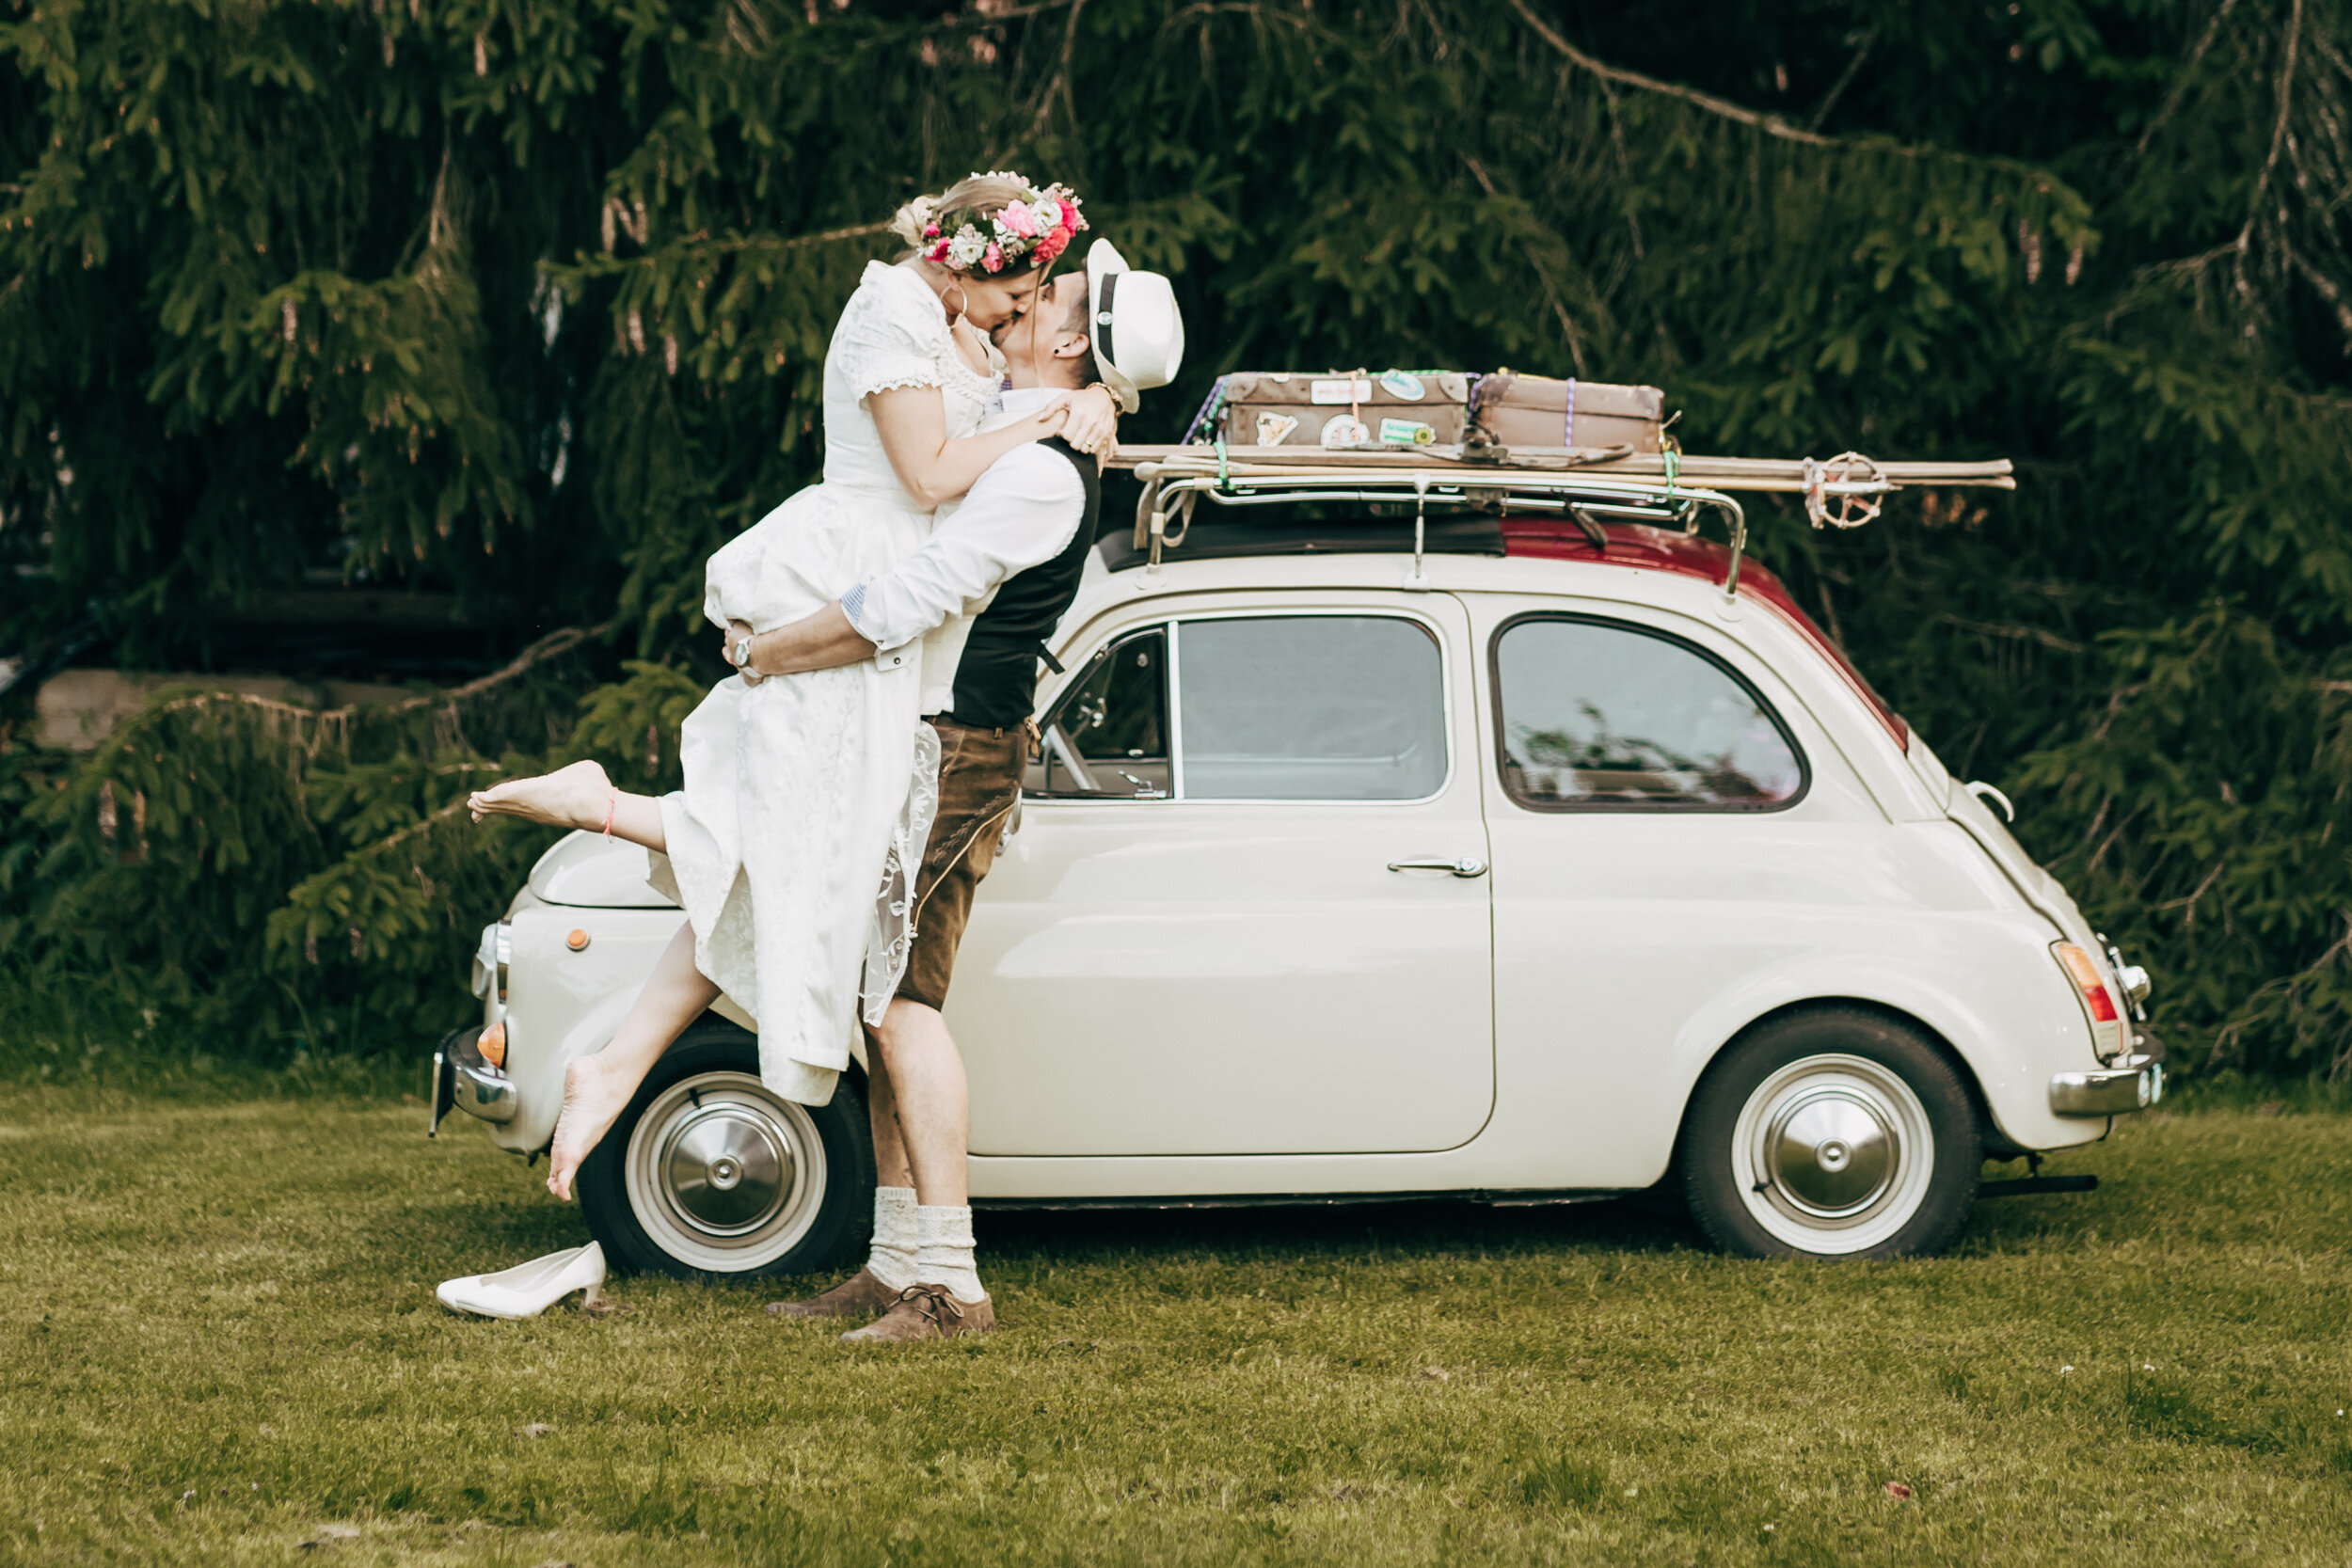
pixel 996 683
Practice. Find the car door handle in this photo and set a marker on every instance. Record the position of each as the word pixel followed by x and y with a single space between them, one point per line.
pixel 1463 867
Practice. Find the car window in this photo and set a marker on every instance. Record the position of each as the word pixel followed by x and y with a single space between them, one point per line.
pixel 1107 733
pixel 1310 707
pixel 1598 715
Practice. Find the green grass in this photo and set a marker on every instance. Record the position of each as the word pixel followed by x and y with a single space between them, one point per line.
pixel 220 1343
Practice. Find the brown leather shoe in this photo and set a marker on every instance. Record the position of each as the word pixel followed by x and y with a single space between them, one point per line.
pixel 860 1295
pixel 927 1313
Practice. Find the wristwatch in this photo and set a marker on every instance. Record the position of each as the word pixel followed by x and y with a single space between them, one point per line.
pixel 742 653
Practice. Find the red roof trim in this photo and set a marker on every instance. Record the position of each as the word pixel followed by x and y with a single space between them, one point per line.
pixel 1658 550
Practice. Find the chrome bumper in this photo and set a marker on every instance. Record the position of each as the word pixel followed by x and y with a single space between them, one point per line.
pixel 463 1079
pixel 2132 1084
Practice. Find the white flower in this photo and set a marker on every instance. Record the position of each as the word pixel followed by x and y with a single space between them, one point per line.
pixel 966 247
pixel 2065 1369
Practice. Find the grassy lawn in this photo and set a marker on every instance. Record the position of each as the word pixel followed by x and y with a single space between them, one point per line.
pixel 221 1344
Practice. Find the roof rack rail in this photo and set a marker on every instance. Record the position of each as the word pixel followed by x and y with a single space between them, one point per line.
pixel 1658 487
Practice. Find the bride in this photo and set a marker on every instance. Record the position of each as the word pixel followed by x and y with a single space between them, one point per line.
pixel 809 797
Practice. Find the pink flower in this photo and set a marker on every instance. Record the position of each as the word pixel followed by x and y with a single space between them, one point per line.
pixel 1069 218
pixel 937 252
pixel 930 231
pixel 994 257
pixel 1020 219
pixel 1052 245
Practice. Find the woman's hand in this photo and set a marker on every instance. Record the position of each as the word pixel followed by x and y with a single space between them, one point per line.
pixel 1051 420
pixel 1093 425
pixel 739 635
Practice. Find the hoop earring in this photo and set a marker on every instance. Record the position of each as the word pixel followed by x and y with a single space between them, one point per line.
pixel 964 303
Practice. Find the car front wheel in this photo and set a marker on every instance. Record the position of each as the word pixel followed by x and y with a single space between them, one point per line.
pixel 1832 1134
pixel 708 1174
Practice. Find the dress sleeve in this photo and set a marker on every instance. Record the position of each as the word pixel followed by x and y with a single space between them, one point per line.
pixel 887 341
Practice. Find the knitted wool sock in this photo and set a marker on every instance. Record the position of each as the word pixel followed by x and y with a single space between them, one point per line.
pixel 892 1260
pixel 944 1254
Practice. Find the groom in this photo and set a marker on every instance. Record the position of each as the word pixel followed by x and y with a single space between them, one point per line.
pixel 1017 546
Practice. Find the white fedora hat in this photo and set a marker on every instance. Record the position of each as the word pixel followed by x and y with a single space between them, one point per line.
pixel 1138 332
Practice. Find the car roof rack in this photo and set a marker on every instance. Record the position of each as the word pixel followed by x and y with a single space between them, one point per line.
pixel 1585 483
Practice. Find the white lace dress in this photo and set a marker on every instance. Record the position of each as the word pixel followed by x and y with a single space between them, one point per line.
pixel 808 798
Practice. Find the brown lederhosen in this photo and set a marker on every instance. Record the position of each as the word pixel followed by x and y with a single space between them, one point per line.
pixel 979 784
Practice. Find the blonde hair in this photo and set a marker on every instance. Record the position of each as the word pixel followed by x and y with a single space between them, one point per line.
pixel 985 193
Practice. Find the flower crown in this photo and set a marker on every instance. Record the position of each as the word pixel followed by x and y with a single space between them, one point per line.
pixel 1041 225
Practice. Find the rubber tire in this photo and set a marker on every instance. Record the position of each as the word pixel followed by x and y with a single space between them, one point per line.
pixel 845 1213
pixel 1705 1153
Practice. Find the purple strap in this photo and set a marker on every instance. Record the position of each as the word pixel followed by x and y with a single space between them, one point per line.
pixel 1568 432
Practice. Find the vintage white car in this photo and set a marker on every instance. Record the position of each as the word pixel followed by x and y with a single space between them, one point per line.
pixel 1407 835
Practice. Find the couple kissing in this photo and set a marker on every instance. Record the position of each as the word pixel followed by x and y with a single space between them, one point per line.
pixel 846 789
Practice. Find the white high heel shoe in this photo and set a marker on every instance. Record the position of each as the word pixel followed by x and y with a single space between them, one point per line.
pixel 530 1289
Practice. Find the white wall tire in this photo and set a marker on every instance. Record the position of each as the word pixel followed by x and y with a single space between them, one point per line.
pixel 1832 1133
pixel 708 1175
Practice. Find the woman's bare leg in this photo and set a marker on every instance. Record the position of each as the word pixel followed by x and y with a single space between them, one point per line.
pixel 597 1089
pixel 575 796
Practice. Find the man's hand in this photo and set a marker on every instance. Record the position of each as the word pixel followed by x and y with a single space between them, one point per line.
pixel 824 640
pixel 1093 425
pixel 741 640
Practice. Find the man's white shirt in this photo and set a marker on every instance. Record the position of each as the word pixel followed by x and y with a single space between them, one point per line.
pixel 1021 513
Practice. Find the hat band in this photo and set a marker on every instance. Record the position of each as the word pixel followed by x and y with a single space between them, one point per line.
pixel 1102 321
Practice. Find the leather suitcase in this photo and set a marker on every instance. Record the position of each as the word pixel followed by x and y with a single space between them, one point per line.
pixel 1292 408
pixel 1536 411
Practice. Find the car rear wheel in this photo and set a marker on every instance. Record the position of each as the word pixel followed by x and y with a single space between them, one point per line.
pixel 1832 1134
pixel 710 1175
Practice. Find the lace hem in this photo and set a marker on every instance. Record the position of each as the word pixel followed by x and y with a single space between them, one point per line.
pixel 899 381
pixel 893 940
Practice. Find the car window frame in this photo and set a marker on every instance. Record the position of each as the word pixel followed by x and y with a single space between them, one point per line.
pixel 1081 672
pixel 1764 704
pixel 1173 624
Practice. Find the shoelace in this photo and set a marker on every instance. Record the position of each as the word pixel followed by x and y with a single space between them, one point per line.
pixel 928 1300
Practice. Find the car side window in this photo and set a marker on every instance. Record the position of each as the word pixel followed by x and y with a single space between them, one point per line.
pixel 1107 735
pixel 1599 716
pixel 1308 707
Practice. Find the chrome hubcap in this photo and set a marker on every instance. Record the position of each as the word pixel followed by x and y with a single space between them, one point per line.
pixel 1832 1150
pixel 725 1168
pixel 725 1175
pixel 1833 1155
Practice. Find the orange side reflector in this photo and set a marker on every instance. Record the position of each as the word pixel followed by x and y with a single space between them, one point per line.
pixel 578 940
pixel 2086 978
pixel 493 1045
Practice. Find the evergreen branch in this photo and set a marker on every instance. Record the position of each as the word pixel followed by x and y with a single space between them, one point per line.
pixel 2019 634
pixel 546 647
pixel 1845 79
pixel 423 824
pixel 2189 72
pixel 2278 143
pixel 730 245
pixel 1771 125
pixel 1559 307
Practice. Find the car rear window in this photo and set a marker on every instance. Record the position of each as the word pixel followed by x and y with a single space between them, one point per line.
pixel 1600 715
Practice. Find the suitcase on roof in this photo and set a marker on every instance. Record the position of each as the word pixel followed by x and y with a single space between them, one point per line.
pixel 1537 411
pixel 1299 408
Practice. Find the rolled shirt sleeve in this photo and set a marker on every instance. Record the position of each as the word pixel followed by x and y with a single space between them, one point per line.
pixel 1021 513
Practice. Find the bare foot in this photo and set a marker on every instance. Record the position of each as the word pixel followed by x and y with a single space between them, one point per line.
pixel 594 1098
pixel 574 797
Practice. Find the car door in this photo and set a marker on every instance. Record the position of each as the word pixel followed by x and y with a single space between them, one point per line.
pixel 1667 821
pixel 1246 910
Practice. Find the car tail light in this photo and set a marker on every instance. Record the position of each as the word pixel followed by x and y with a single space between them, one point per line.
pixel 493 1045
pixel 2107 1021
